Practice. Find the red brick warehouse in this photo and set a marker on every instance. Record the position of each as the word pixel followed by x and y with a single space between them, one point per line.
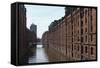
pixel 74 35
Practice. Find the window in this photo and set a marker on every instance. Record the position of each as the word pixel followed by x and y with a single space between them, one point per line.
pixel 91 50
pixel 86 49
pixel 86 16
pixel 78 48
pixel 78 19
pixel 81 31
pixel 85 29
pixel 72 29
pixel 91 27
pixel 72 54
pixel 91 37
pixel 91 14
pixel 82 49
pixel 82 13
pixel 78 31
pixel 91 20
pixel 91 17
pixel 81 39
pixel 86 38
pixel 72 50
pixel 85 20
pixel 85 12
pixel 81 23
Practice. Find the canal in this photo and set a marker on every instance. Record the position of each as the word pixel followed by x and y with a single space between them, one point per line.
pixel 43 55
pixel 40 55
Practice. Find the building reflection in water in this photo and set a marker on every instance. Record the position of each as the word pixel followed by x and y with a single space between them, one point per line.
pixel 43 55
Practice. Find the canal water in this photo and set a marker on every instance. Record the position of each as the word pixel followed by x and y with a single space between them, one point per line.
pixel 40 55
pixel 43 55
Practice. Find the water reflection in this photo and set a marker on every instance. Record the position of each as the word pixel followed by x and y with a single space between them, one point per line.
pixel 55 56
pixel 42 54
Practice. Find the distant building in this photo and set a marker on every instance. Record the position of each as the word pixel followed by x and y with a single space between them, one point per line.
pixel 45 39
pixel 39 41
pixel 31 38
pixel 33 28
pixel 32 35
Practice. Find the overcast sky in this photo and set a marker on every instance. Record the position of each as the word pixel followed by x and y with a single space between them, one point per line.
pixel 42 16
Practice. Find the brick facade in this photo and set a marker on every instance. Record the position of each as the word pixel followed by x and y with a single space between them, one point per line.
pixel 25 36
pixel 74 35
pixel 45 39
